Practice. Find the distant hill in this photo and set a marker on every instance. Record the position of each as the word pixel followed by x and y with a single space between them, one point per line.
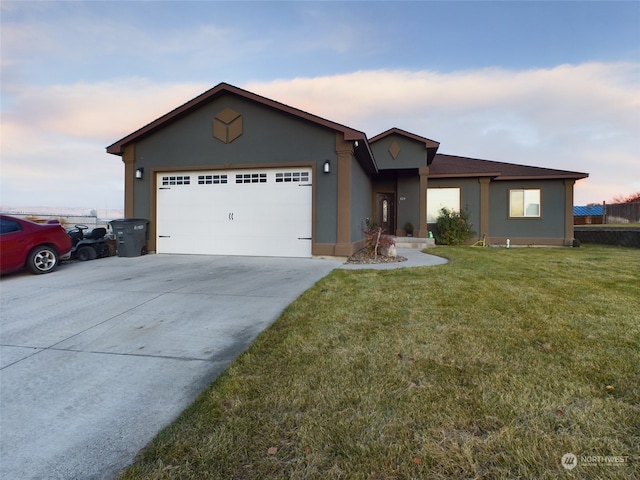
pixel 101 213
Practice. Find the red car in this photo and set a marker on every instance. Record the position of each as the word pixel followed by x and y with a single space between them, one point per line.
pixel 36 246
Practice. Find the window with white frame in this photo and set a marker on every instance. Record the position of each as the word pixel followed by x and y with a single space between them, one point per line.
pixel 524 202
pixel 438 198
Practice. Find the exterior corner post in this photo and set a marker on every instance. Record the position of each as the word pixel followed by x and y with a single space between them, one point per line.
pixel 129 159
pixel 345 153
pixel 484 206
pixel 423 231
pixel 568 212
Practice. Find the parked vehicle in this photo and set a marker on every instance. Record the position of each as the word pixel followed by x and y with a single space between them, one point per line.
pixel 38 247
pixel 88 246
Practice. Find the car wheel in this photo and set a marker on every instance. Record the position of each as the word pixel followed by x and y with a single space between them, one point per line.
pixel 42 259
pixel 86 253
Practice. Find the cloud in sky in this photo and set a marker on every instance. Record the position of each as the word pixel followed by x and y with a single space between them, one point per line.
pixel 478 78
pixel 54 139
pixel 572 117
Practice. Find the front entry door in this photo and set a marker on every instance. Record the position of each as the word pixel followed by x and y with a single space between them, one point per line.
pixel 385 212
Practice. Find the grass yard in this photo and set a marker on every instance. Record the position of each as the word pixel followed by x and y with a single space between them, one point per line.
pixel 492 366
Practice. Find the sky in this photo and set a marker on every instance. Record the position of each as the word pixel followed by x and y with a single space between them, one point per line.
pixel 545 83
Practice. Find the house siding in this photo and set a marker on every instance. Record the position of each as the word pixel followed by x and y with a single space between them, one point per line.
pixel 408 200
pixel 361 193
pixel 550 225
pixel 269 138
pixel 274 135
pixel 412 154
pixel 326 202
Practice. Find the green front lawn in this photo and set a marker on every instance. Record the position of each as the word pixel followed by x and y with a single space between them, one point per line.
pixel 492 366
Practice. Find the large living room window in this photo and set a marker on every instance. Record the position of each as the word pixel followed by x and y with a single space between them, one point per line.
pixel 438 198
pixel 524 203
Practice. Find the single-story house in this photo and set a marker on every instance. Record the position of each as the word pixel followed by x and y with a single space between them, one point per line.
pixel 234 173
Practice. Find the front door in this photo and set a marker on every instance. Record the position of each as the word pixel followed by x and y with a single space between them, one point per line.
pixel 385 212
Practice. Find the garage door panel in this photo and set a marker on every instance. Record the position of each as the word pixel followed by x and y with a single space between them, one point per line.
pixel 258 212
pixel 180 223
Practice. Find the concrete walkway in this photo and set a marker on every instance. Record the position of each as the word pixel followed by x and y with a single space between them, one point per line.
pixel 415 258
pixel 99 356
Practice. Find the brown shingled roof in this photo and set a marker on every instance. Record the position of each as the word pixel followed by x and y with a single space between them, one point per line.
pixel 448 166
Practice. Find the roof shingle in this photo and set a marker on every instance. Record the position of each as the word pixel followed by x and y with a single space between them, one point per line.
pixel 446 166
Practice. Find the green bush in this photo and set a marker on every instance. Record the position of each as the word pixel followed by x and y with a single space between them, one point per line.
pixel 454 227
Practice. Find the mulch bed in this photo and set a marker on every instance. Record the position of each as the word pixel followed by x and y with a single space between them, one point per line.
pixel 363 257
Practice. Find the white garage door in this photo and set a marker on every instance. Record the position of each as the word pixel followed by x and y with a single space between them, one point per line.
pixel 235 212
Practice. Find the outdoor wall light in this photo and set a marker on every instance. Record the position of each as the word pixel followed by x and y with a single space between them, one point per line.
pixel 326 168
pixel 139 173
pixel 355 144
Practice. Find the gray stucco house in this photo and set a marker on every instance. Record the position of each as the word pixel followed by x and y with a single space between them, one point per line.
pixel 234 173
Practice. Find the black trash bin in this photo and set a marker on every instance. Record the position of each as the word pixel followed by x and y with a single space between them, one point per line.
pixel 131 236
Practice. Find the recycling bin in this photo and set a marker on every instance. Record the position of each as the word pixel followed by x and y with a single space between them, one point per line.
pixel 131 236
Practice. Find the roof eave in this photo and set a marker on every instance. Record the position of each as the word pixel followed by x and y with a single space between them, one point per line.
pixel 365 156
pixel 559 176
pixel 464 175
pixel 428 143
pixel 117 148
pixel 499 177
pixel 431 154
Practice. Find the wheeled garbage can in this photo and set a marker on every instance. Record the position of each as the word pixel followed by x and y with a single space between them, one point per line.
pixel 131 236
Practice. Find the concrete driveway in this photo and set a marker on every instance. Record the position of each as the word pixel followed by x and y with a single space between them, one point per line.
pixel 98 356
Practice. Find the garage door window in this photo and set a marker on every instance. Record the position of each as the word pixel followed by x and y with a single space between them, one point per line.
pixel 177 180
pixel 211 179
pixel 251 178
pixel 292 177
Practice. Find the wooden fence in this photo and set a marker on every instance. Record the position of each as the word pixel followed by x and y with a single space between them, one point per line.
pixel 622 213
